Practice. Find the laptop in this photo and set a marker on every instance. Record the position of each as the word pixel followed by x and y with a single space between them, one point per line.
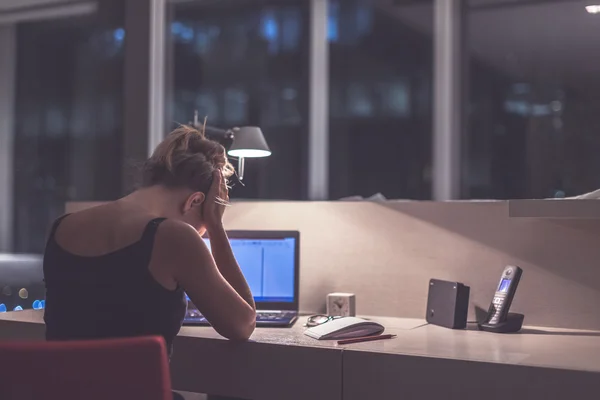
pixel 270 262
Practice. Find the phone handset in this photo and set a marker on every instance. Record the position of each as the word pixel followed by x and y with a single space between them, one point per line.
pixel 499 319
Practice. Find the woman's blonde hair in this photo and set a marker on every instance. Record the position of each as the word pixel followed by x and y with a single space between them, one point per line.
pixel 186 158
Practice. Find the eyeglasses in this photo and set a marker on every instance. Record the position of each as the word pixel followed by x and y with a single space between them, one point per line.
pixel 319 319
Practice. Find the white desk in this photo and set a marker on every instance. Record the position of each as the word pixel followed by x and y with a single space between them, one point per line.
pixel 278 363
pixel 425 362
pixel 432 362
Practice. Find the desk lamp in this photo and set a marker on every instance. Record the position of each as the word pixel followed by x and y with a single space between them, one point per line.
pixel 244 142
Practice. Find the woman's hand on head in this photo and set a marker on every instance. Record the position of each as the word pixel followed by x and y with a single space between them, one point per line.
pixel 216 201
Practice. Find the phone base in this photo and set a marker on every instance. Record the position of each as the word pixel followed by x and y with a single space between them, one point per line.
pixel 513 323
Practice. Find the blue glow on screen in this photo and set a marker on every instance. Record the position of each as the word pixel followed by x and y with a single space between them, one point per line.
pixel 268 266
pixel 504 285
pixel 18 308
pixel 2 307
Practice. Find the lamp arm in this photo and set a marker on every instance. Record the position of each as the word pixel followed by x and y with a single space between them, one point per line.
pixel 223 136
pixel 252 142
pixel 218 134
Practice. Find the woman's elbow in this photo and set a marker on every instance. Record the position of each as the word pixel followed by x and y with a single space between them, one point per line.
pixel 241 329
pixel 241 332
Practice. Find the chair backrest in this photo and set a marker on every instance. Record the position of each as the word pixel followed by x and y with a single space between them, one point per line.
pixel 111 369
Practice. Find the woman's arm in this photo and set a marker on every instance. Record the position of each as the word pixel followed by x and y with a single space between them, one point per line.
pixel 227 264
pixel 220 293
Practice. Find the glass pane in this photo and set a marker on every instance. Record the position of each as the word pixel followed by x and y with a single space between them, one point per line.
pixel 534 76
pixel 243 64
pixel 68 118
pixel 380 98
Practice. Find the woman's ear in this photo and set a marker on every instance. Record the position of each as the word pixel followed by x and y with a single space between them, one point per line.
pixel 194 201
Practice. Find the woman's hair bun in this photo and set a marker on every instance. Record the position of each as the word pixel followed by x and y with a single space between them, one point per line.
pixel 186 158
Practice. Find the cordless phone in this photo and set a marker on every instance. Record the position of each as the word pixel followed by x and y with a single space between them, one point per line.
pixel 499 319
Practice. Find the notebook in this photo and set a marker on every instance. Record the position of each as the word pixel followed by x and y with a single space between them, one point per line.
pixel 344 328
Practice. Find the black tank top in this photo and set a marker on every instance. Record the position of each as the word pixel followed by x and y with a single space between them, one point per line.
pixel 109 296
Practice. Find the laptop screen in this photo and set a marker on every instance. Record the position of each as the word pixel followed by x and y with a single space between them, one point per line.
pixel 268 264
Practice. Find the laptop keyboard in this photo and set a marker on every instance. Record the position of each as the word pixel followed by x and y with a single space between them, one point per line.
pixel 262 317
pixel 275 315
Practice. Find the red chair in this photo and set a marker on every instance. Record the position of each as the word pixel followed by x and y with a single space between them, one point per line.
pixel 112 369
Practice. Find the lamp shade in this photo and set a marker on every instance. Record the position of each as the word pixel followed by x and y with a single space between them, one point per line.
pixel 249 142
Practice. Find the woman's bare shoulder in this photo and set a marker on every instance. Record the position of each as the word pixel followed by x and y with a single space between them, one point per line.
pixel 179 246
pixel 178 234
pixel 111 214
pixel 101 229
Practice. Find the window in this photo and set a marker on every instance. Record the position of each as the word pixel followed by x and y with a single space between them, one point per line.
pixel 533 130
pixel 243 64
pixel 380 98
pixel 68 118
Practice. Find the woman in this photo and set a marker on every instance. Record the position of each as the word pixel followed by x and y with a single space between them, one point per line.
pixel 121 269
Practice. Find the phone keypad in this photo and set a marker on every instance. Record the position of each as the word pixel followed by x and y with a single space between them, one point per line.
pixel 496 309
